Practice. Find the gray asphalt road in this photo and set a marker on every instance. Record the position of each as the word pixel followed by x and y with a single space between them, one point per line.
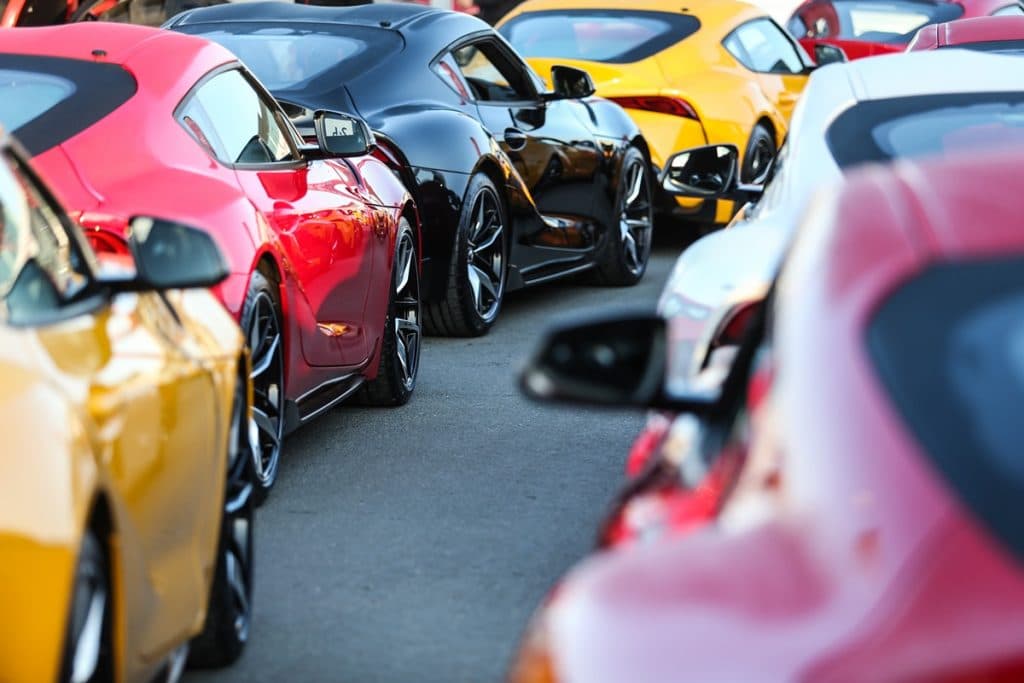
pixel 412 544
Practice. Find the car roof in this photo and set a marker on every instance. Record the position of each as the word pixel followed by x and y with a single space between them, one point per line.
pixel 708 10
pixel 980 29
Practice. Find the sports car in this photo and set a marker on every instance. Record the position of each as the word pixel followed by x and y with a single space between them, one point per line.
pixel 322 239
pixel 516 184
pixel 126 476
pixel 862 28
pixel 873 533
pixel 905 105
pixel 719 71
pixel 986 34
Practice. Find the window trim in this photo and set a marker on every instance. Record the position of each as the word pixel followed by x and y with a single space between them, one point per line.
pixel 793 43
pixel 300 160
pixel 499 43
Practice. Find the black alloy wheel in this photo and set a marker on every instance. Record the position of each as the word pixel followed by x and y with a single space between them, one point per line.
pixel 479 266
pixel 628 247
pixel 261 322
pixel 759 157
pixel 87 644
pixel 403 333
pixel 229 611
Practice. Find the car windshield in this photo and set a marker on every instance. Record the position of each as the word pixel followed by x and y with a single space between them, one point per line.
pixel 614 36
pixel 877 21
pixel 46 100
pixel 955 372
pixel 301 56
pixel 882 130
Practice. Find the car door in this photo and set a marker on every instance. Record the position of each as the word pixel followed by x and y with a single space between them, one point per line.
pixel 550 146
pixel 147 403
pixel 781 66
pixel 314 207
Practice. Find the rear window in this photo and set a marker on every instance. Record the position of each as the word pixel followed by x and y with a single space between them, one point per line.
pixel 930 125
pixel 955 372
pixel 46 100
pixel 301 56
pixel 613 36
pixel 876 21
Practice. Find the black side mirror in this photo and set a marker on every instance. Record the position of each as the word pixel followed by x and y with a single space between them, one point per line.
pixel 170 255
pixel 342 135
pixel 571 83
pixel 619 362
pixel 829 54
pixel 706 172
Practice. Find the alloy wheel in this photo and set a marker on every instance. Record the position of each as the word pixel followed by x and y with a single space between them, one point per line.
pixel 88 630
pixel 636 220
pixel 266 428
pixel 408 329
pixel 760 161
pixel 238 519
pixel 485 260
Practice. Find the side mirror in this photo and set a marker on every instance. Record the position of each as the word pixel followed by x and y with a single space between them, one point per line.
pixel 619 362
pixel 170 255
pixel 828 54
pixel 570 83
pixel 341 135
pixel 707 172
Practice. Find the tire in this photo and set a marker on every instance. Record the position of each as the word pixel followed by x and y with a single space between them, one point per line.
pixel 623 260
pixel 87 643
pixel 229 607
pixel 403 334
pixel 261 323
pixel 759 157
pixel 478 270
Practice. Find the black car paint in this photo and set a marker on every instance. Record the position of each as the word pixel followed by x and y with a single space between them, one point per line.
pixel 446 138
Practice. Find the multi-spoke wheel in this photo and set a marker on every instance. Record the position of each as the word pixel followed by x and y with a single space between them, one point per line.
pixel 229 612
pixel 628 247
pixel 86 657
pixel 759 157
pixel 400 352
pixel 261 322
pixel 479 266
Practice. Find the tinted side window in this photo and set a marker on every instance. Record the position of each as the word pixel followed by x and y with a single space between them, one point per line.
pixel 229 118
pixel 762 46
pixel 493 75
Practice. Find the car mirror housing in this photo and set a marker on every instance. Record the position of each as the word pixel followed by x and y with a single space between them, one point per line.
pixel 342 135
pixel 171 255
pixel 570 83
pixel 829 54
pixel 707 172
pixel 616 362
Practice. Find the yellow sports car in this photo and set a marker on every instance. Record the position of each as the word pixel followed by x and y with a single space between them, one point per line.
pixel 689 73
pixel 126 472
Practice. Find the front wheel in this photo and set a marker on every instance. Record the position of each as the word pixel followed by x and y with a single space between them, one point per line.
pixel 628 248
pixel 400 352
pixel 478 269
pixel 229 610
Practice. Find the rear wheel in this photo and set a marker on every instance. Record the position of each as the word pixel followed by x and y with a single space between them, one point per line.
pixel 261 322
pixel 228 614
pixel 87 645
pixel 400 352
pixel 628 248
pixel 759 157
pixel 478 269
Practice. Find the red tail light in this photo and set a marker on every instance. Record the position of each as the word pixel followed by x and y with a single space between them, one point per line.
pixel 105 233
pixel 735 324
pixel 673 106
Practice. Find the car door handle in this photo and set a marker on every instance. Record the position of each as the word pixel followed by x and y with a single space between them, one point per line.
pixel 515 139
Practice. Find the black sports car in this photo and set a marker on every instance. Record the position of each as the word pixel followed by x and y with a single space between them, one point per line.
pixel 516 185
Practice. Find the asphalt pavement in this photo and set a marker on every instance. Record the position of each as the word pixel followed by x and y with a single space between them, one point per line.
pixel 411 545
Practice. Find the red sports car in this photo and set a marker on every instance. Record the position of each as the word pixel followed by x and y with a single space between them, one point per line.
pixel 987 34
pixel 862 28
pixel 874 533
pixel 322 239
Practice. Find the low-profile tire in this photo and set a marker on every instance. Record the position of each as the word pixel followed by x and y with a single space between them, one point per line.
pixel 87 654
pixel 229 607
pixel 403 334
pixel 623 260
pixel 262 324
pixel 478 270
pixel 759 157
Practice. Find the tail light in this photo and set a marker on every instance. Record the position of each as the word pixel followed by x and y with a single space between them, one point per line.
pixel 646 446
pixel 105 233
pixel 734 325
pixel 673 106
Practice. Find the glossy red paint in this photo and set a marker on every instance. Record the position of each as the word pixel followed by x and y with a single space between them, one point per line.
pixel 855 561
pixel 967 32
pixel 822 10
pixel 325 228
